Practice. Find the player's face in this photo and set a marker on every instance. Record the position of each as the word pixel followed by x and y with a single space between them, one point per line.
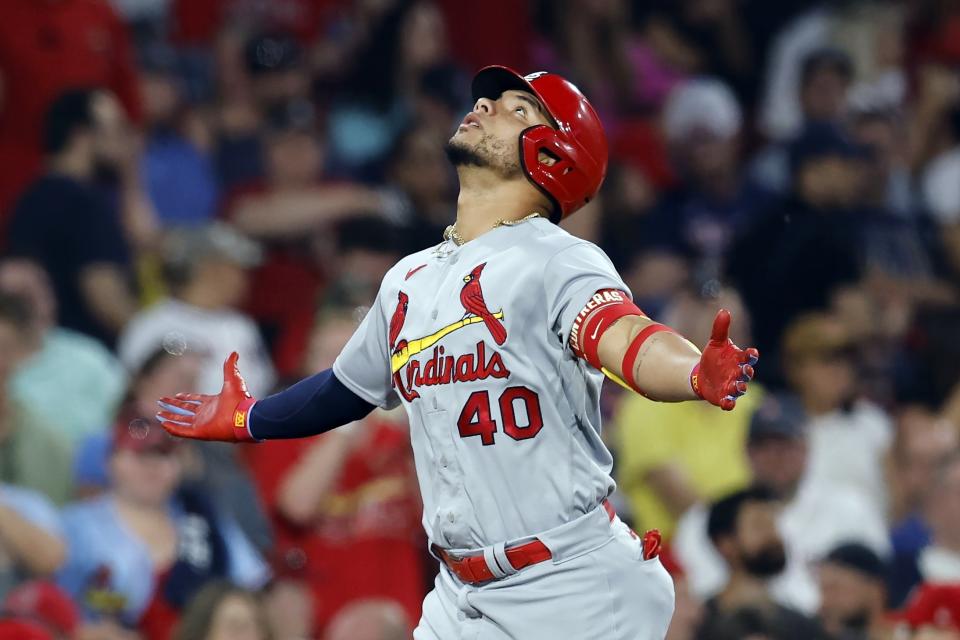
pixel 489 136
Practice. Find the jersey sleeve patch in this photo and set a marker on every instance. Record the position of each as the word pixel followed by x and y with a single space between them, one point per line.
pixel 599 313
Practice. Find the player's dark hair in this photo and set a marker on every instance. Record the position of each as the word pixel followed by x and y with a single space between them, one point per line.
pixel 724 512
pixel 71 111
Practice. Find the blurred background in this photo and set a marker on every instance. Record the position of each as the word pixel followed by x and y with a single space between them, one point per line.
pixel 181 178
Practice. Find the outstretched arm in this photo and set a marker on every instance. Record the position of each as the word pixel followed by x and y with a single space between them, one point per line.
pixel 312 406
pixel 653 360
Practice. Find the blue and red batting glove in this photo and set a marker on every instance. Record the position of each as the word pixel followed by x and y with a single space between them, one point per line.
pixel 724 369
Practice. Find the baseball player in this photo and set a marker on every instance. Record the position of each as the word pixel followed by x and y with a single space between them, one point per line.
pixel 496 341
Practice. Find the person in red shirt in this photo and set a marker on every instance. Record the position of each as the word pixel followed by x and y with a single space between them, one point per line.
pixel 345 505
pixel 46 48
pixel 292 212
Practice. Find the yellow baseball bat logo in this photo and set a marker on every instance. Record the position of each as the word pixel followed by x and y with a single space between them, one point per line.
pixel 402 356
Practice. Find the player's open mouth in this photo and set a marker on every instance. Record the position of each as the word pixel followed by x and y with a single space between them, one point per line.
pixel 471 120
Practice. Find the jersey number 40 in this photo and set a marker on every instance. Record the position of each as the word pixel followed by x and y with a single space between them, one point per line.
pixel 476 419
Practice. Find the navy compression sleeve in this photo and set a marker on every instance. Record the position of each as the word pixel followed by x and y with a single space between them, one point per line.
pixel 312 406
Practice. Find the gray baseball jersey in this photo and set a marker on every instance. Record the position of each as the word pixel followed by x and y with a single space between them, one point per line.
pixel 504 418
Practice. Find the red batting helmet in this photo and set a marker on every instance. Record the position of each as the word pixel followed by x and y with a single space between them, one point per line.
pixel 578 142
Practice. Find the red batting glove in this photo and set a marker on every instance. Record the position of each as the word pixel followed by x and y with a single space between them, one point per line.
pixel 224 416
pixel 724 369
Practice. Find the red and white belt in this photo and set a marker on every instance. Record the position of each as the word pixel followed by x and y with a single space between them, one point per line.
pixel 474 569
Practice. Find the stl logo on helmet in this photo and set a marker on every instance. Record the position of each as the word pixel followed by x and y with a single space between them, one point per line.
pixel 530 77
pixel 443 368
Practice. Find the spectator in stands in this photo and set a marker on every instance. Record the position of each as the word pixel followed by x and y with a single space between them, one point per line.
pixel 70 379
pixel 825 78
pixel 178 173
pixel 66 223
pixel 370 620
pixel 31 453
pixel 743 528
pixel 698 218
pixel 207 272
pixel 853 585
pixel 849 438
pixel 160 372
pixel 256 74
pixel 882 129
pixel 777 451
pixel 138 552
pixel 816 93
pixel 211 465
pixel 287 600
pixel 923 442
pixel 292 212
pixel 45 50
pixel 31 539
pixel 810 244
pixel 936 600
pixel 382 89
pixel 223 611
pixel 662 466
pixel 347 500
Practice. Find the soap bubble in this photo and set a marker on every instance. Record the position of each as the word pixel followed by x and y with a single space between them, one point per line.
pixel 139 428
pixel 174 343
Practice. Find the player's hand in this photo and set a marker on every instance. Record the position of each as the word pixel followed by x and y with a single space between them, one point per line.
pixel 724 369
pixel 221 417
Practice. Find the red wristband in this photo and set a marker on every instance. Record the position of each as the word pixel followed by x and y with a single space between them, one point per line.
pixel 630 358
pixel 241 421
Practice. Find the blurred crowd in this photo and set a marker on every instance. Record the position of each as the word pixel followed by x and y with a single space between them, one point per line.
pixel 184 178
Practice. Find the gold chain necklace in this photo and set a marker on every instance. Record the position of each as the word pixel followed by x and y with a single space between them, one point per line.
pixel 450 233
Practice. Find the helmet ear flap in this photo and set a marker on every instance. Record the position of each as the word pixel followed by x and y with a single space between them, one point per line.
pixel 562 180
pixel 533 140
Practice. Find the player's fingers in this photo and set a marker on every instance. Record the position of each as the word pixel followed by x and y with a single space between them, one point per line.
pixel 169 416
pixel 751 356
pixel 230 366
pixel 176 429
pixel 728 403
pixel 183 407
pixel 735 389
pixel 721 326
pixel 746 373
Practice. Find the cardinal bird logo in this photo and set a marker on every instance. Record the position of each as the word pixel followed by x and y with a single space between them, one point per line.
pixel 471 297
pixel 399 315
